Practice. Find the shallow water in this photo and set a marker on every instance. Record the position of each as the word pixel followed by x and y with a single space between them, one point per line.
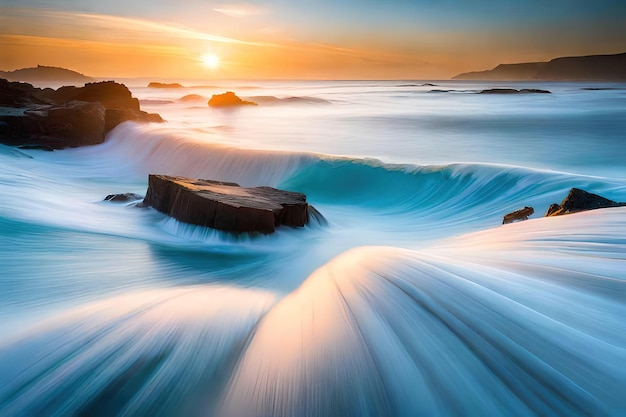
pixel 411 299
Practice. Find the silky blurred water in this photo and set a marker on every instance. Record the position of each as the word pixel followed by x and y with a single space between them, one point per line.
pixel 410 299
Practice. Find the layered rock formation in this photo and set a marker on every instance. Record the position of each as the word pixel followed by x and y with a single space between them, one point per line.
pixel 67 117
pixel 581 200
pixel 226 206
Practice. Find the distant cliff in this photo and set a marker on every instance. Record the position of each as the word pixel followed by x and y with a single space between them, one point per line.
pixel 579 68
pixel 43 73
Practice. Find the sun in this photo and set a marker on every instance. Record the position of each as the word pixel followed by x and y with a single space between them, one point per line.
pixel 211 61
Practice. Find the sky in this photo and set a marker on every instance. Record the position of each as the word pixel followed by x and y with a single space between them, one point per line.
pixel 302 39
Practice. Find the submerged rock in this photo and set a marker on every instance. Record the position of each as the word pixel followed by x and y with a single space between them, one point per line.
pixel 67 117
pixel 123 198
pixel 518 215
pixel 193 97
pixel 272 100
pixel 534 91
pixel 514 91
pixel 226 206
pixel 228 99
pixel 500 91
pixel 581 200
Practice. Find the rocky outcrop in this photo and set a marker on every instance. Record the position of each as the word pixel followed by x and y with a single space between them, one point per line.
pixel 228 99
pixel 67 117
pixel 518 215
pixel 226 206
pixel 581 200
pixel 514 91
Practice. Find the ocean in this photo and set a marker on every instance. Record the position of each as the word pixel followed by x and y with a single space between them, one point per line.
pixel 409 298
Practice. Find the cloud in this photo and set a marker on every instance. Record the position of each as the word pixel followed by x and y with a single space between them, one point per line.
pixel 72 25
pixel 241 10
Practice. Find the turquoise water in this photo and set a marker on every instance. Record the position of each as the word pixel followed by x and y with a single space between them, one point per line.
pixel 411 299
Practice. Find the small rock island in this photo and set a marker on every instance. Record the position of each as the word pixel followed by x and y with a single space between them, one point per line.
pixel 227 206
pixel 228 99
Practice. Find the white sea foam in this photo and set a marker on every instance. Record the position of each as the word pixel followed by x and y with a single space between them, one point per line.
pixel 411 299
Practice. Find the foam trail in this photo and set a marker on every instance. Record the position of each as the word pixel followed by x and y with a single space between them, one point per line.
pixel 384 331
pixel 117 357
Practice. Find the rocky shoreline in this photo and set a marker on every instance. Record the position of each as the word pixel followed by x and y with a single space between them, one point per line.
pixel 67 117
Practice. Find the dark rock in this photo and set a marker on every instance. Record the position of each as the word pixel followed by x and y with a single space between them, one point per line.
pixel 115 116
pixel 514 91
pixel 534 91
pixel 164 85
pixel 16 94
pixel 500 91
pixel 228 99
pixel 602 88
pixel 67 117
pixel 518 215
pixel 76 123
pixel 109 93
pixel 552 209
pixel 226 206
pixel 581 200
pixel 123 198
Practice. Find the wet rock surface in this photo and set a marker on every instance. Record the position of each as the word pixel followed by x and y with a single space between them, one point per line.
pixel 66 117
pixel 518 215
pixel 580 200
pixel 227 206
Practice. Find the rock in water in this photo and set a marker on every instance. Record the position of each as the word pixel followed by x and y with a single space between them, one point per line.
pixel 123 198
pixel 521 214
pixel 552 209
pixel 228 99
pixel 581 200
pixel 155 84
pixel 72 124
pixel 67 117
pixel 226 206
pixel 514 91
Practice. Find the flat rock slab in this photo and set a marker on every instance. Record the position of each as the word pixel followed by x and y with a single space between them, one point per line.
pixel 226 206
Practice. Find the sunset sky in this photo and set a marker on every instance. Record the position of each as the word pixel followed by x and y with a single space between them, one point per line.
pixel 302 39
